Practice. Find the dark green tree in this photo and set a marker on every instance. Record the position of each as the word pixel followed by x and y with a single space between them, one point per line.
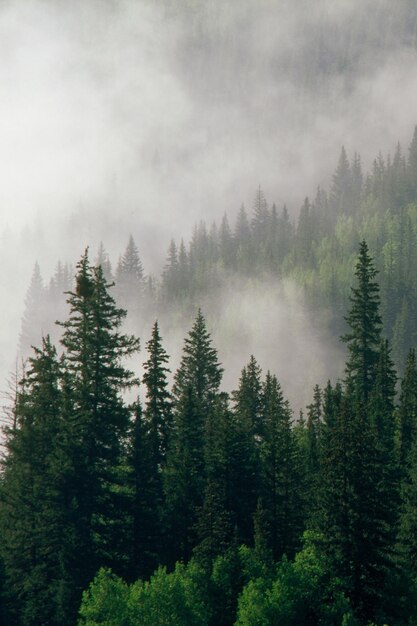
pixel 184 479
pixel 34 519
pixel 195 390
pixel 364 321
pixel 214 524
pixel 158 408
pixel 97 420
pixel 199 369
pixel 280 472
pixel 407 410
pixel 356 519
pixel 145 501
pixel 314 426
pixel 147 459
pixel 247 426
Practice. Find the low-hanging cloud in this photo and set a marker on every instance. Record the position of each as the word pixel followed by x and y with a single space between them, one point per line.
pixel 145 117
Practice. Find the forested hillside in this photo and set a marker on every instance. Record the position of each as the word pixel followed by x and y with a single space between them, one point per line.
pixel 317 250
pixel 189 505
pixel 212 420
pixel 245 515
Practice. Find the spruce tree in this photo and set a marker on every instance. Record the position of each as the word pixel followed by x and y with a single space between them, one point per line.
pixel 130 282
pixel 148 448
pixel 248 428
pixel 214 521
pixel 407 411
pixel 358 483
pixel 184 478
pixel 34 317
pixel 34 512
pixel 158 409
pixel 145 501
pixel 261 217
pixel 280 471
pixel 196 386
pixel 364 321
pixel 199 368
pixel 97 420
pixel 341 190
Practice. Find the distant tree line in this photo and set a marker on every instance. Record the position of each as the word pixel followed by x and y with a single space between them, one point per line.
pixel 318 250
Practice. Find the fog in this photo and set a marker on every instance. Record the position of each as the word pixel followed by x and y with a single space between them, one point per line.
pixel 142 117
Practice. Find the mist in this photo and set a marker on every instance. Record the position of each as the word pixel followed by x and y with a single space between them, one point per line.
pixel 273 323
pixel 145 117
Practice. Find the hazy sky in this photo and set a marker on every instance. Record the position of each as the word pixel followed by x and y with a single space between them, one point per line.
pixel 168 112
pixel 146 116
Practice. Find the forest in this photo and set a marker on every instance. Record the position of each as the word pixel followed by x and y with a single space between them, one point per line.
pixel 167 500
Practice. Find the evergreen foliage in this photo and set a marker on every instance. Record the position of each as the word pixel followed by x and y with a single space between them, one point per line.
pixel 90 482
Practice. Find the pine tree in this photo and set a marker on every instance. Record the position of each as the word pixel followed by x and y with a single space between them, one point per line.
pixel 184 478
pixel 248 398
pixel 148 447
pixel 363 338
pixel 199 368
pixel 261 217
pixel 103 260
pixel 227 247
pixel 408 525
pixel 412 167
pixel 130 281
pixel 214 521
pixel 196 386
pixel 145 491
pixel 314 425
pixel 97 419
pixel 243 243
pixel 355 517
pixel 158 411
pixel 341 190
pixel 248 428
pixel 305 234
pixel 34 318
pixel 356 182
pixel 407 410
pixel 170 274
pixel 34 520
pixel 280 470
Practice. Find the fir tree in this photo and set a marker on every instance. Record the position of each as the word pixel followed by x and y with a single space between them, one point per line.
pixel 280 469
pixel 199 368
pixel 363 338
pixel 97 418
pixel 247 428
pixel 407 410
pixel 214 523
pixel 130 281
pixel 34 520
pixel 195 390
pixel 158 410
pixel 144 482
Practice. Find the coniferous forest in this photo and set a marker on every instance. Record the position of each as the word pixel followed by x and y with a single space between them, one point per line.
pixel 166 500
pixel 146 477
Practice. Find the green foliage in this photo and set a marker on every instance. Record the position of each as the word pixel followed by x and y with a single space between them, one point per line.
pixel 364 321
pixel 300 593
pixel 168 599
